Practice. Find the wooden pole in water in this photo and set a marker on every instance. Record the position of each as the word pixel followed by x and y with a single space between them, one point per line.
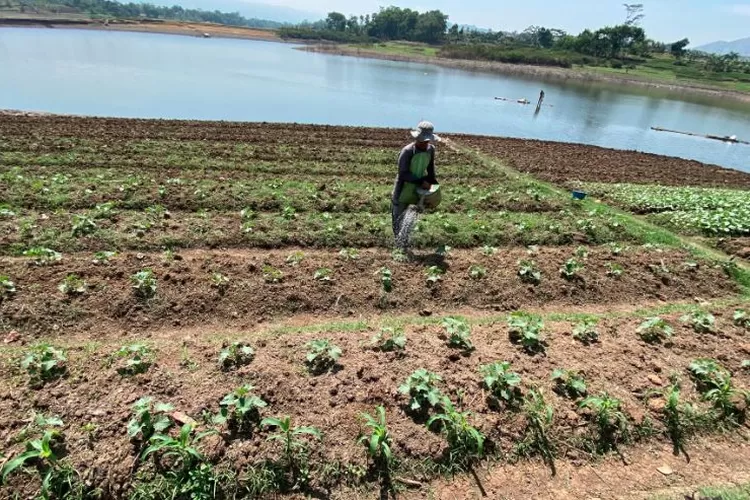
pixel 733 140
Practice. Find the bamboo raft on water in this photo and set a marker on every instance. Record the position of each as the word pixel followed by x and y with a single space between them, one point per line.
pixel 727 138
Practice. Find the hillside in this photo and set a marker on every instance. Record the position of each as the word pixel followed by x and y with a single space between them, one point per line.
pixel 741 46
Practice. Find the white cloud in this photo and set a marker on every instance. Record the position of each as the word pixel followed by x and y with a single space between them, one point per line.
pixel 742 9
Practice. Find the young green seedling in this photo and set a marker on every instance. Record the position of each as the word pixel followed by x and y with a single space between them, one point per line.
pixel 322 356
pixel 42 256
pixel 240 408
pixel 529 273
pixel 72 285
pixel 569 383
pixel 586 332
pixel 701 321
pixel 386 279
pixel 132 359
pixel 570 269
pixel 103 257
pixel 389 339
pixel 272 275
pixel 488 251
pixel 7 287
pixel 477 272
pixel 43 362
pixel 183 448
pixel 293 447
pixel 655 330
pixel 144 284
pixel 677 417
pixel 539 419
pixel 82 225
pixel 459 333
pixel 465 441
pixel 349 254
pixel 149 418
pixel 220 282
pixel 323 274
pixel 526 329
pixel 434 274
pixel 615 270
pixel 421 389
pixel 378 443
pixel 235 355
pixel 295 258
pixel 501 382
pixel 742 319
pixel 41 450
pixel 611 422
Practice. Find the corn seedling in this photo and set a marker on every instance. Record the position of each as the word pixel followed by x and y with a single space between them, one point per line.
pixel 235 355
pixel 240 408
pixel 655 330
pixel 349 254
pixel 742 319
pixel 149 418
pixel 529 273
pixel 323 274
pixel 7 287
pixel 42 256
pixel 220 282
pixel 714 382
pixel 678 418
pixel 295 258
pixel 459 333
pixel 526 329
pixel 569 383
pixel 700 321
pixel 501 382
pixel 82 225
pixel 611 422
pixel 272 275
pixel 386 279
pixel 477 272
pixel 144 283
pixel 322 355
pixel 182 449
pixel 378 443
pixel 132 359
pixel 41 450
pixel 586 332
pixel 539 419
pixel 488 251
pixel 570 269
pixel 465 441
pixel 103 257
pixel 615 270
pixel 43 362
pixel 293 447
pixel 72 285
pixel 434 274
pixel 389 339
pixel 421 389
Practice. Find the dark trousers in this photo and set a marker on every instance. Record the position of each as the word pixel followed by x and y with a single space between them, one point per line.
pixel 396 212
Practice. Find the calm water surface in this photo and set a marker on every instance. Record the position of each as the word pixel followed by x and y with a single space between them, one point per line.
pixel 164 76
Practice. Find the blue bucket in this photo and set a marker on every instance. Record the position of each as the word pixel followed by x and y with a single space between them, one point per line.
pixel 578 195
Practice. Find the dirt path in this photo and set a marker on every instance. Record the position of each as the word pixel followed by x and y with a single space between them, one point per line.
pixel 725 462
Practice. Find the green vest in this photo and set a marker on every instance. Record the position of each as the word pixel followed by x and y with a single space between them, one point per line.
pixel 418 168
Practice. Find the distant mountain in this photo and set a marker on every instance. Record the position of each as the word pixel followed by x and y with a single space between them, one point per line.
pixel 742 47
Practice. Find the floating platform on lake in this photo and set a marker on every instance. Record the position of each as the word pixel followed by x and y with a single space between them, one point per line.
pixel 731 139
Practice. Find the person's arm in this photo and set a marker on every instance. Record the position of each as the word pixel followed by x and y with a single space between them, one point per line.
pixel 404 162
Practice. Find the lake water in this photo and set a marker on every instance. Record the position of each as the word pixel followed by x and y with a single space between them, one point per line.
pixel 164 76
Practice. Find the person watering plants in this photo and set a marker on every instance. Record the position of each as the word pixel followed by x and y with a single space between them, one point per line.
pixel 416 171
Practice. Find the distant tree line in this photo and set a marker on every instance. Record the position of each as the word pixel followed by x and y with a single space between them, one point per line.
pixel 111 8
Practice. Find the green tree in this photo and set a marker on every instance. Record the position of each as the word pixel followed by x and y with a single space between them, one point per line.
pixel 678 48
pixel 336 21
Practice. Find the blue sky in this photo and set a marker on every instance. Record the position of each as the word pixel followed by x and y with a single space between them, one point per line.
pixel 702 21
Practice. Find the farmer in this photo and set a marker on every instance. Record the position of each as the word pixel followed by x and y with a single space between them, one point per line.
pixel 416 168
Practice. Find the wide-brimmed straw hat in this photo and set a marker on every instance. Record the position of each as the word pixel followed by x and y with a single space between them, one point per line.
pixel 425 132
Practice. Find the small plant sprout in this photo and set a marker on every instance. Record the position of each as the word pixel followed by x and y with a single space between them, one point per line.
pixel 83 225
pixel 422 391
pixel 502 382
pixel 235 355
pixel 742 319
pixel 103 257
pixel 539 419
pixel 72 285
pixel 386 279
pixel 389 340
pixel 582 253
pixel 272 275
pixel 7 287
pixel 616 248
pixel 295 258
pixel 240 408
pixel 43 362
pixel 443 251
pixel 288 213
pixel 182 449
pixel 612 425
pixel 570 269
pixel 585 331
pixel 349 254
pixel 745 365
pixel 434 274
pixel 526 329
pixel 40 450
pixel 529 273
pixel 144 284
pixel 323 274
pixel 293 447
pixel 715 384
pixel 614 270
pixel 488 251
pixel 700 321
pixel 465 441
pixel 42 256
pixel 459 333
pixel 220 282
pixel 399 255
pixel 707 373
pixel 322 356
pixel 654 330
pixel 677 417
pixel 569 383
pixel 132 359
pixel 149 418
pixel 477 272
pixel 378 443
